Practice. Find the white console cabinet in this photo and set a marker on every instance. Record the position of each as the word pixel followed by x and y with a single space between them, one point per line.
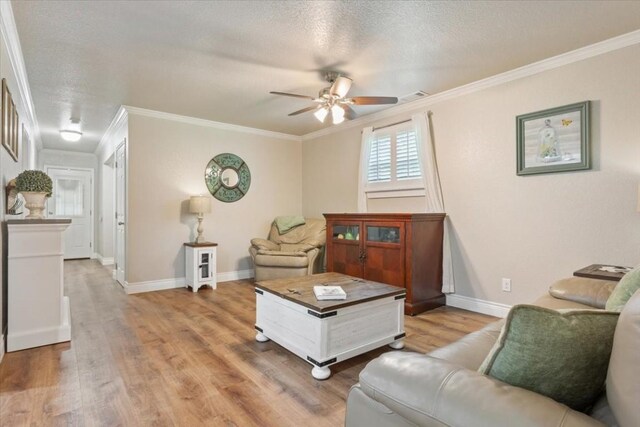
pixel 38 311
pixel 200 265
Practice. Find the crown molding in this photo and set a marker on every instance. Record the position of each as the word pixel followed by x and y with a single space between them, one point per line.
pixel 74 153
pixel 16 60
pixel 557 61
pixel 117 121
pixel 209 123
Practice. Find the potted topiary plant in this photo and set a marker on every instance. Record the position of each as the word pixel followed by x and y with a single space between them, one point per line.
pixel 35 186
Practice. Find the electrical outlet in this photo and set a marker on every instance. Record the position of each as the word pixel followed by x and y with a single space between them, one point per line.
pixel 506 285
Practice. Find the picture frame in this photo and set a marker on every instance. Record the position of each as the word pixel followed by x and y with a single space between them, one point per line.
pixel 554 140
pixel 9 128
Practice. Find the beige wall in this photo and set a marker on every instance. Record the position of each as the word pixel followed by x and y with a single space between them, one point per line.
pixel 167 160
pixel 531 229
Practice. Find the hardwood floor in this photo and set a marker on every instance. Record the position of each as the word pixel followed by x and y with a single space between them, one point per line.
pixel 174 358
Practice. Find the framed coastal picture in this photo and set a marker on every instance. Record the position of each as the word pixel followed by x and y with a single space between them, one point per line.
pixel 553 140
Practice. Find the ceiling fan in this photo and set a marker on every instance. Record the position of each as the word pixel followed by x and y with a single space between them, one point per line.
pixel 332 99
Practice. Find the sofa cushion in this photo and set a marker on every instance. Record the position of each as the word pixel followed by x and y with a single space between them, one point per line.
pixel 591 292
pixel 470 350
pixel 623 380
pixel 560 355
pixel 626 287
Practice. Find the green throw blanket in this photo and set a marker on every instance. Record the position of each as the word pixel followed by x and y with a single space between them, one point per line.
pixel 286 223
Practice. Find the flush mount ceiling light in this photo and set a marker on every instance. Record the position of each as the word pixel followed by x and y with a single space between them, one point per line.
pixel 72 133
pixel 333 99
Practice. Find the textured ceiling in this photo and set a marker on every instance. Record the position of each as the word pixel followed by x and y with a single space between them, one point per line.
pixel 218 60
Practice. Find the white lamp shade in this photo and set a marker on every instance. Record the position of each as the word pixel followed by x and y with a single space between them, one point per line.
pixel 321 114
pixel 337 114
pixel 200 204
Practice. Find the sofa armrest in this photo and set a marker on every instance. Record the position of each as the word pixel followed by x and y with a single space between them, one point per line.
pixel 591 292
pixel 433 392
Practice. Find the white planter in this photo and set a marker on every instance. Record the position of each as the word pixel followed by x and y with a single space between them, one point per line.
pixel 34 201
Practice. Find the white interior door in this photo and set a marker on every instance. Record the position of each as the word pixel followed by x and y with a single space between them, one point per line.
pixel 120 213
pixel 73 199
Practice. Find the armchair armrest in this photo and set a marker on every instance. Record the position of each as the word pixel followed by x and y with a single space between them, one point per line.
pixel 281 253
pixel 265 244
pixel 591 292
pixel 433 392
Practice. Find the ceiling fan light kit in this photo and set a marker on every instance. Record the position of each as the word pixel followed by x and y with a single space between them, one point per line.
pixel 321 114
pixel 333 99
pixel 337 114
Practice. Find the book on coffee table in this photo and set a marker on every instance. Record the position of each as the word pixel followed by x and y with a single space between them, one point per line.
pixel 324 293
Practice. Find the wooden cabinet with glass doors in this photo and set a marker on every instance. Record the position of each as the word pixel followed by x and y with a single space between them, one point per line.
pixel 400 249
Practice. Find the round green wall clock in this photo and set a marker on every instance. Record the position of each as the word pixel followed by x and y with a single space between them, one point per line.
pixel 227 177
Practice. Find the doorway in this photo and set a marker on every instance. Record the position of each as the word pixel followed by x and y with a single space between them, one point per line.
pixel 73 199
pixel 121 208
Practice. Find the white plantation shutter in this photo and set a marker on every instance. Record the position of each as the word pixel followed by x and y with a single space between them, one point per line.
pixel 379 169
pixel 393 160
pixel 407 162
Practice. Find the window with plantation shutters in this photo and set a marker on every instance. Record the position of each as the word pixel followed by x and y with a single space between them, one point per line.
pixel 380 159
pixel 394 164
pixel 407 163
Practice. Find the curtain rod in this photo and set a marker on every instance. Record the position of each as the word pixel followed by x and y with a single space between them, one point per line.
pixel 429 113
pixel 391 124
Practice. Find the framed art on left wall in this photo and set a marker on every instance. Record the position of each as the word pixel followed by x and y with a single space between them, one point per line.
pixel 9 123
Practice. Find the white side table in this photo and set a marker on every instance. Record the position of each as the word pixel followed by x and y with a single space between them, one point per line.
pixel 38 310
pixel 200 265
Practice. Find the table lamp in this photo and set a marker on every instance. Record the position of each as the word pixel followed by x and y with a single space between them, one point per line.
pixel 200 205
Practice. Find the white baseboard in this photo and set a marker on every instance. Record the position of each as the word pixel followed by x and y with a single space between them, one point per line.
pixel 478 305
pixel 154 285
pixel 31 338
pixel 180 282
pixel 234 275
pixel 104 260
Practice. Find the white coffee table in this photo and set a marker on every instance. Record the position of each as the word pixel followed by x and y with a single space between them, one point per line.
pixel 327 332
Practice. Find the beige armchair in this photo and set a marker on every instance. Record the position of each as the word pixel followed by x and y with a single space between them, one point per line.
pixel 297 252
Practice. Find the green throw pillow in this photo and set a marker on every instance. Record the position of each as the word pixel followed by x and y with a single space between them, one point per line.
pixel 562 355
pixel 627 286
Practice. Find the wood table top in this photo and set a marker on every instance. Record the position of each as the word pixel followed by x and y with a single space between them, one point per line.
pixel 595 271
pixel 300 290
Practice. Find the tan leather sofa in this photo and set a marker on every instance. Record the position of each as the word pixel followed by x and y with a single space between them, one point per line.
pixel 298 252
pixel 443 388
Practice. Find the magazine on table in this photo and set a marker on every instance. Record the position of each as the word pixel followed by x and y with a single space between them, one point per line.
pixel 324 293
